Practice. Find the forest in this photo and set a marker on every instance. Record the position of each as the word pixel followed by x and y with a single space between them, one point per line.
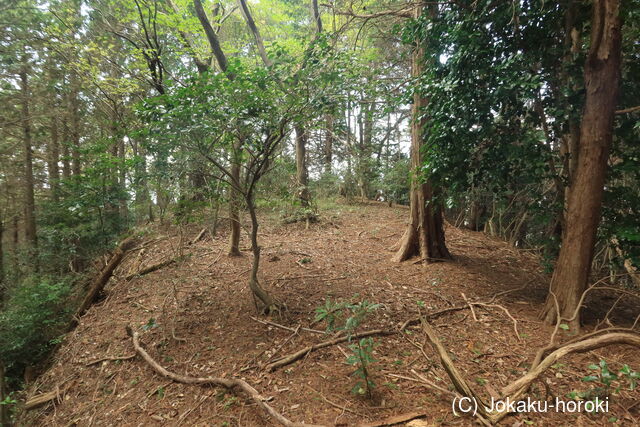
pixel 319 212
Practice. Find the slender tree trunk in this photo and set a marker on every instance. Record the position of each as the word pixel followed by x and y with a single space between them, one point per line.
pixel 122 180
pixel 234 203
pixel 66 138
pixel 302 177
pixel 53 157
pixel 2 287
pixel 328 145
pixel 75 125
pixel 4 409
pixel 264 298
pixel 602 77
pixel 29 199
pixel 424 235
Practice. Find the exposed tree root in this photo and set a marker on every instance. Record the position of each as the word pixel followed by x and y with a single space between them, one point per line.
pixel 515 390
pixel 233 383
pixel 287 360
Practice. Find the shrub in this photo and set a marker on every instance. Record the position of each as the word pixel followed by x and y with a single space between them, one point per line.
pixel 33 318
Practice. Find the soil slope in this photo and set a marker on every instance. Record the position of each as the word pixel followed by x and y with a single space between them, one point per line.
pixel 195 318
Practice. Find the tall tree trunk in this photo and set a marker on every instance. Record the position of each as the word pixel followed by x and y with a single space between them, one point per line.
pixel 302 176
pixel 53 146
pixel 2 287
pixel 327 149
pixel 75 124
pixel 66 138
pixel 601 77
pixel 122 179
pixel 424 235
pixel 29 199
pixel 53 157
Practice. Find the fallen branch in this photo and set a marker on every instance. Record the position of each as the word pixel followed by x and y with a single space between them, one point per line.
pixel 287 360
pixel 101 280
pixel 395 419
pixel 109 358
pixel 151 268
pixel 44 398
pixel 234 383
pixel 199 236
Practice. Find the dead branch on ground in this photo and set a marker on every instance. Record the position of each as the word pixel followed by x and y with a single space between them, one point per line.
pixel 44 398
pixel 287 360
pixel 152 268
pixel 98 284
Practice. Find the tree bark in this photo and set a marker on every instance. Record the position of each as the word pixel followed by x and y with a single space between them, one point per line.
pixel 255 32
pixel 214 43
pixel 75 125
pixel 601 77
pixel 302 175
pixel 327 149
pixel 424 235
pixel 4 392
pixel 29 199
pixel 234 203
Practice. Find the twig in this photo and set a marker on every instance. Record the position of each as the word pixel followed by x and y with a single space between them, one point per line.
pixel 473 312
pixel 277 325
pixel 344 408
pixel 102 359
pixel 287 360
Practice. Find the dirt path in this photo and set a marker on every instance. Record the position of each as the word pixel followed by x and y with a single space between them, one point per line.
pixel 198 312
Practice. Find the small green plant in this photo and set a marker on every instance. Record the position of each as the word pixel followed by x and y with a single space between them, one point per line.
pixel 361 358
pixel 362 350
pixel 606 382
pixel 330 313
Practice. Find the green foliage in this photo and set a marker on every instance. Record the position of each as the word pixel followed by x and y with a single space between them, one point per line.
pixel 605 382
pixel 395 181
pixel 333 313
pixel 35 314
pixel 361 358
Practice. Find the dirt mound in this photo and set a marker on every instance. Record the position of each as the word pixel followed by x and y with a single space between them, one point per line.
pixel 196 317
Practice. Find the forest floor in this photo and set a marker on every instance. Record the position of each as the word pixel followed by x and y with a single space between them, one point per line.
pixel 196 317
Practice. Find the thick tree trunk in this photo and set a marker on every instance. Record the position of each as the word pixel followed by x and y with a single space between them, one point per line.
pixel 601 76
pixel 302 176
pixel 29 199
pixel 424 235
